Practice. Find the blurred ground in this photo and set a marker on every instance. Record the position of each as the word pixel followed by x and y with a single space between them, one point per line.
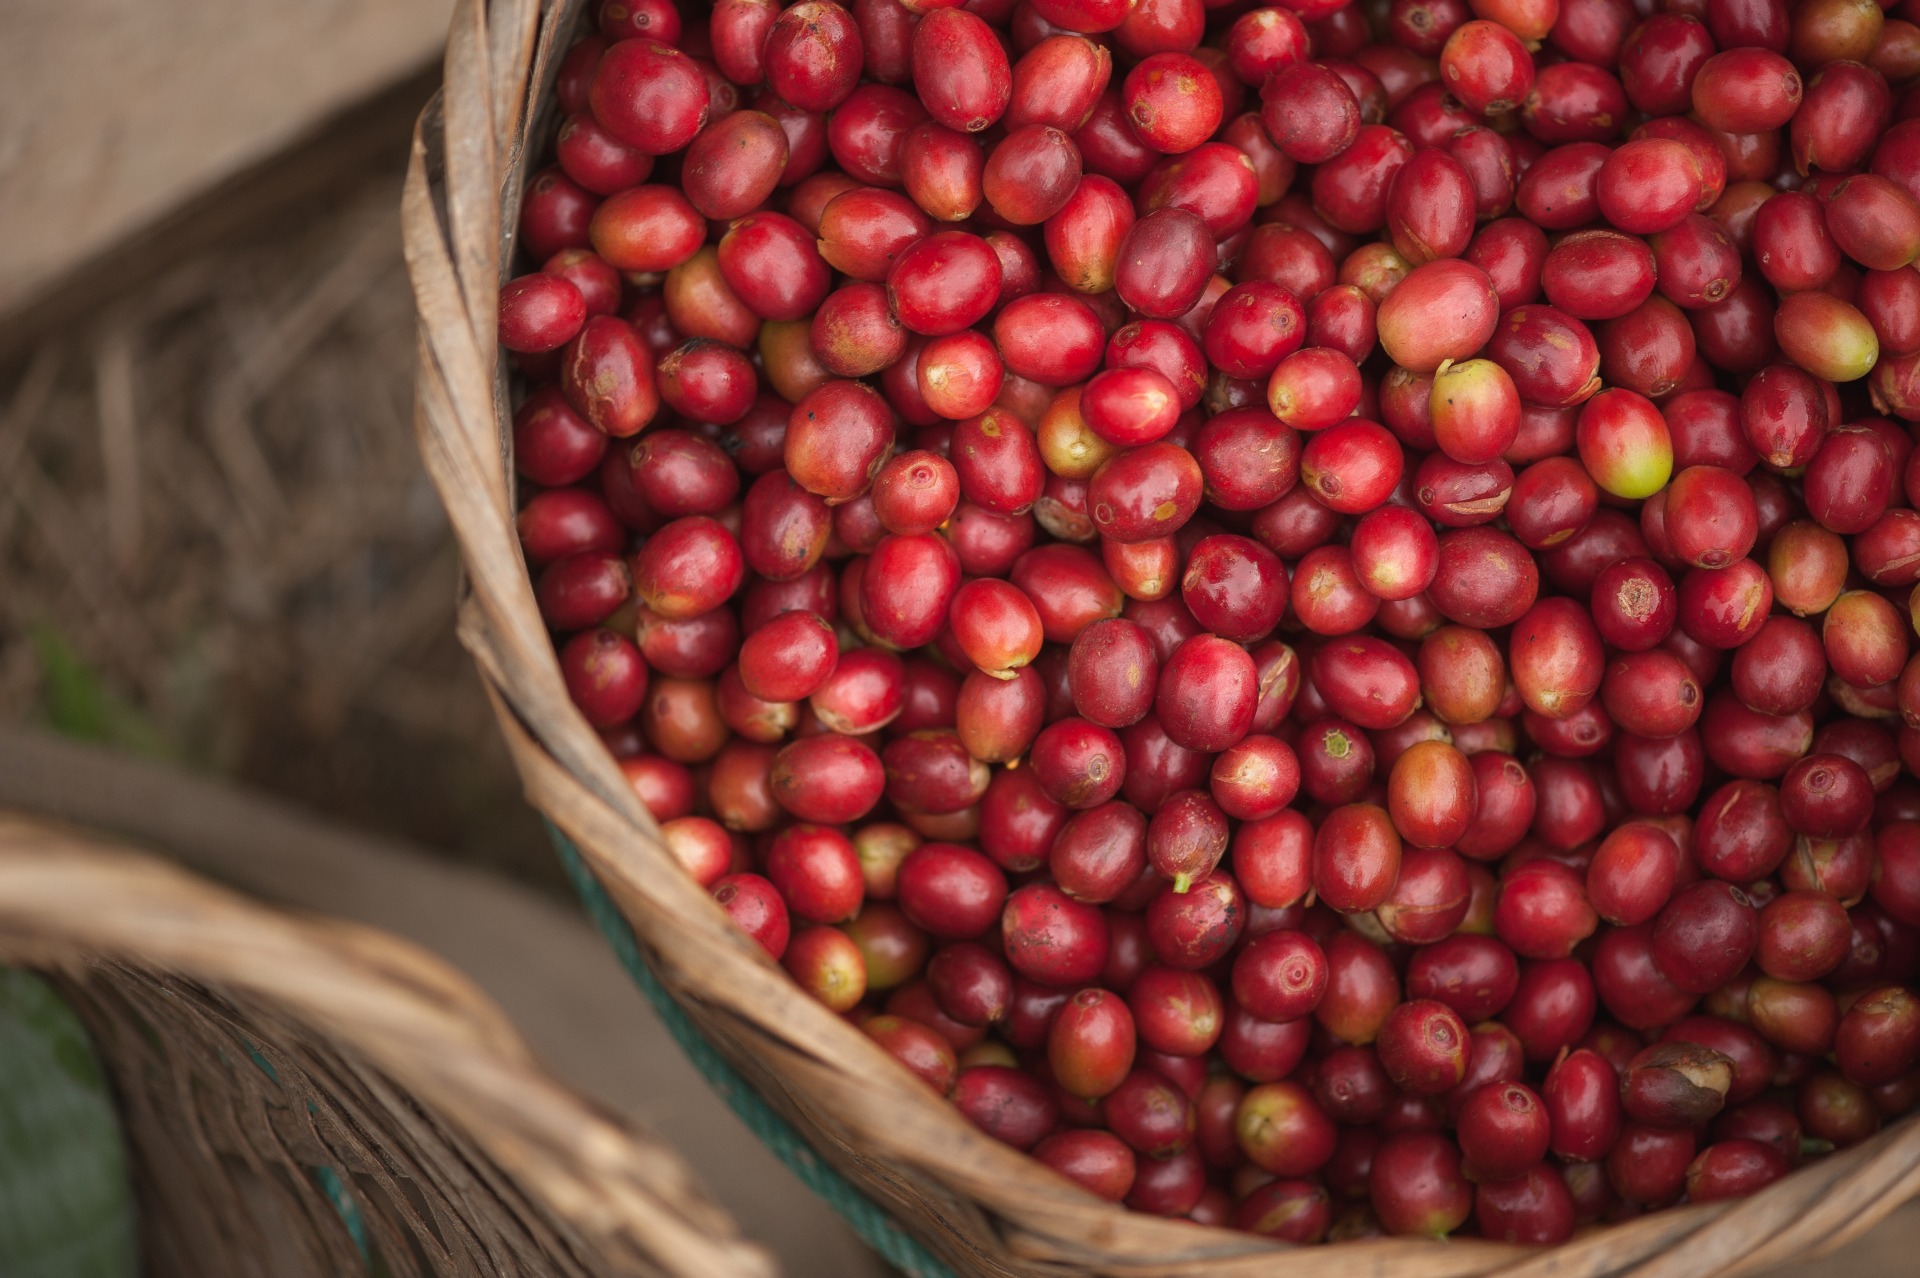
pixel 218 547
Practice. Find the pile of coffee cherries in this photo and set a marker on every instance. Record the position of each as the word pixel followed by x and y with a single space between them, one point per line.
pixel 1303 610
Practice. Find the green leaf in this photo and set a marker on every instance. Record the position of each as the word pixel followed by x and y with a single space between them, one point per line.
pixel 78 704
pixel 66 1207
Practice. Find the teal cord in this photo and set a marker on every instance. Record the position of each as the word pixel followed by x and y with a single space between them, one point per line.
pixel 331 1183
pixel 879 1230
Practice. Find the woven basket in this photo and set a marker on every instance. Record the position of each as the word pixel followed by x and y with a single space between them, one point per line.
pixel 306 1097
pixel 977 1205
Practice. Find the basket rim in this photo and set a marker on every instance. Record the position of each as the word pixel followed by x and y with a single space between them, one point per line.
pixel 73 900
pixel 463 184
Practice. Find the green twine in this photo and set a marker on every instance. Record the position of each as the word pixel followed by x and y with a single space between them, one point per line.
pixel 879 1230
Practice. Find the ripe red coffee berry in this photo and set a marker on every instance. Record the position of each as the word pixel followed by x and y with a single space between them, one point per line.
pixel 1280 976
pixel 1417 1185
pixel 1254 714
pixel 1091 1044
pixel 1052 938
pixel 1503 1130
pixel 650 96
pixel 1423 1047
pixel 1704 936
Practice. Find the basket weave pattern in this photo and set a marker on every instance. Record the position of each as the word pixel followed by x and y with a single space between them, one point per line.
pixel 300 1097
pixel 982 1207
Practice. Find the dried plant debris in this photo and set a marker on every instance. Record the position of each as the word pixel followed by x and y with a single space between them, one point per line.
pixel 217 544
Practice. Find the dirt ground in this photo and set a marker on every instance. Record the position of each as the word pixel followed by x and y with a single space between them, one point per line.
pixel 218 547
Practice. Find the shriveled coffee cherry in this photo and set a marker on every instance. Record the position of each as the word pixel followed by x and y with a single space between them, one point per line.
pixel 1676 1085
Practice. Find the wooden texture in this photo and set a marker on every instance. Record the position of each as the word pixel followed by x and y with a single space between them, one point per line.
pixel 984 1208
pixel 249 1047
pixel 113 112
